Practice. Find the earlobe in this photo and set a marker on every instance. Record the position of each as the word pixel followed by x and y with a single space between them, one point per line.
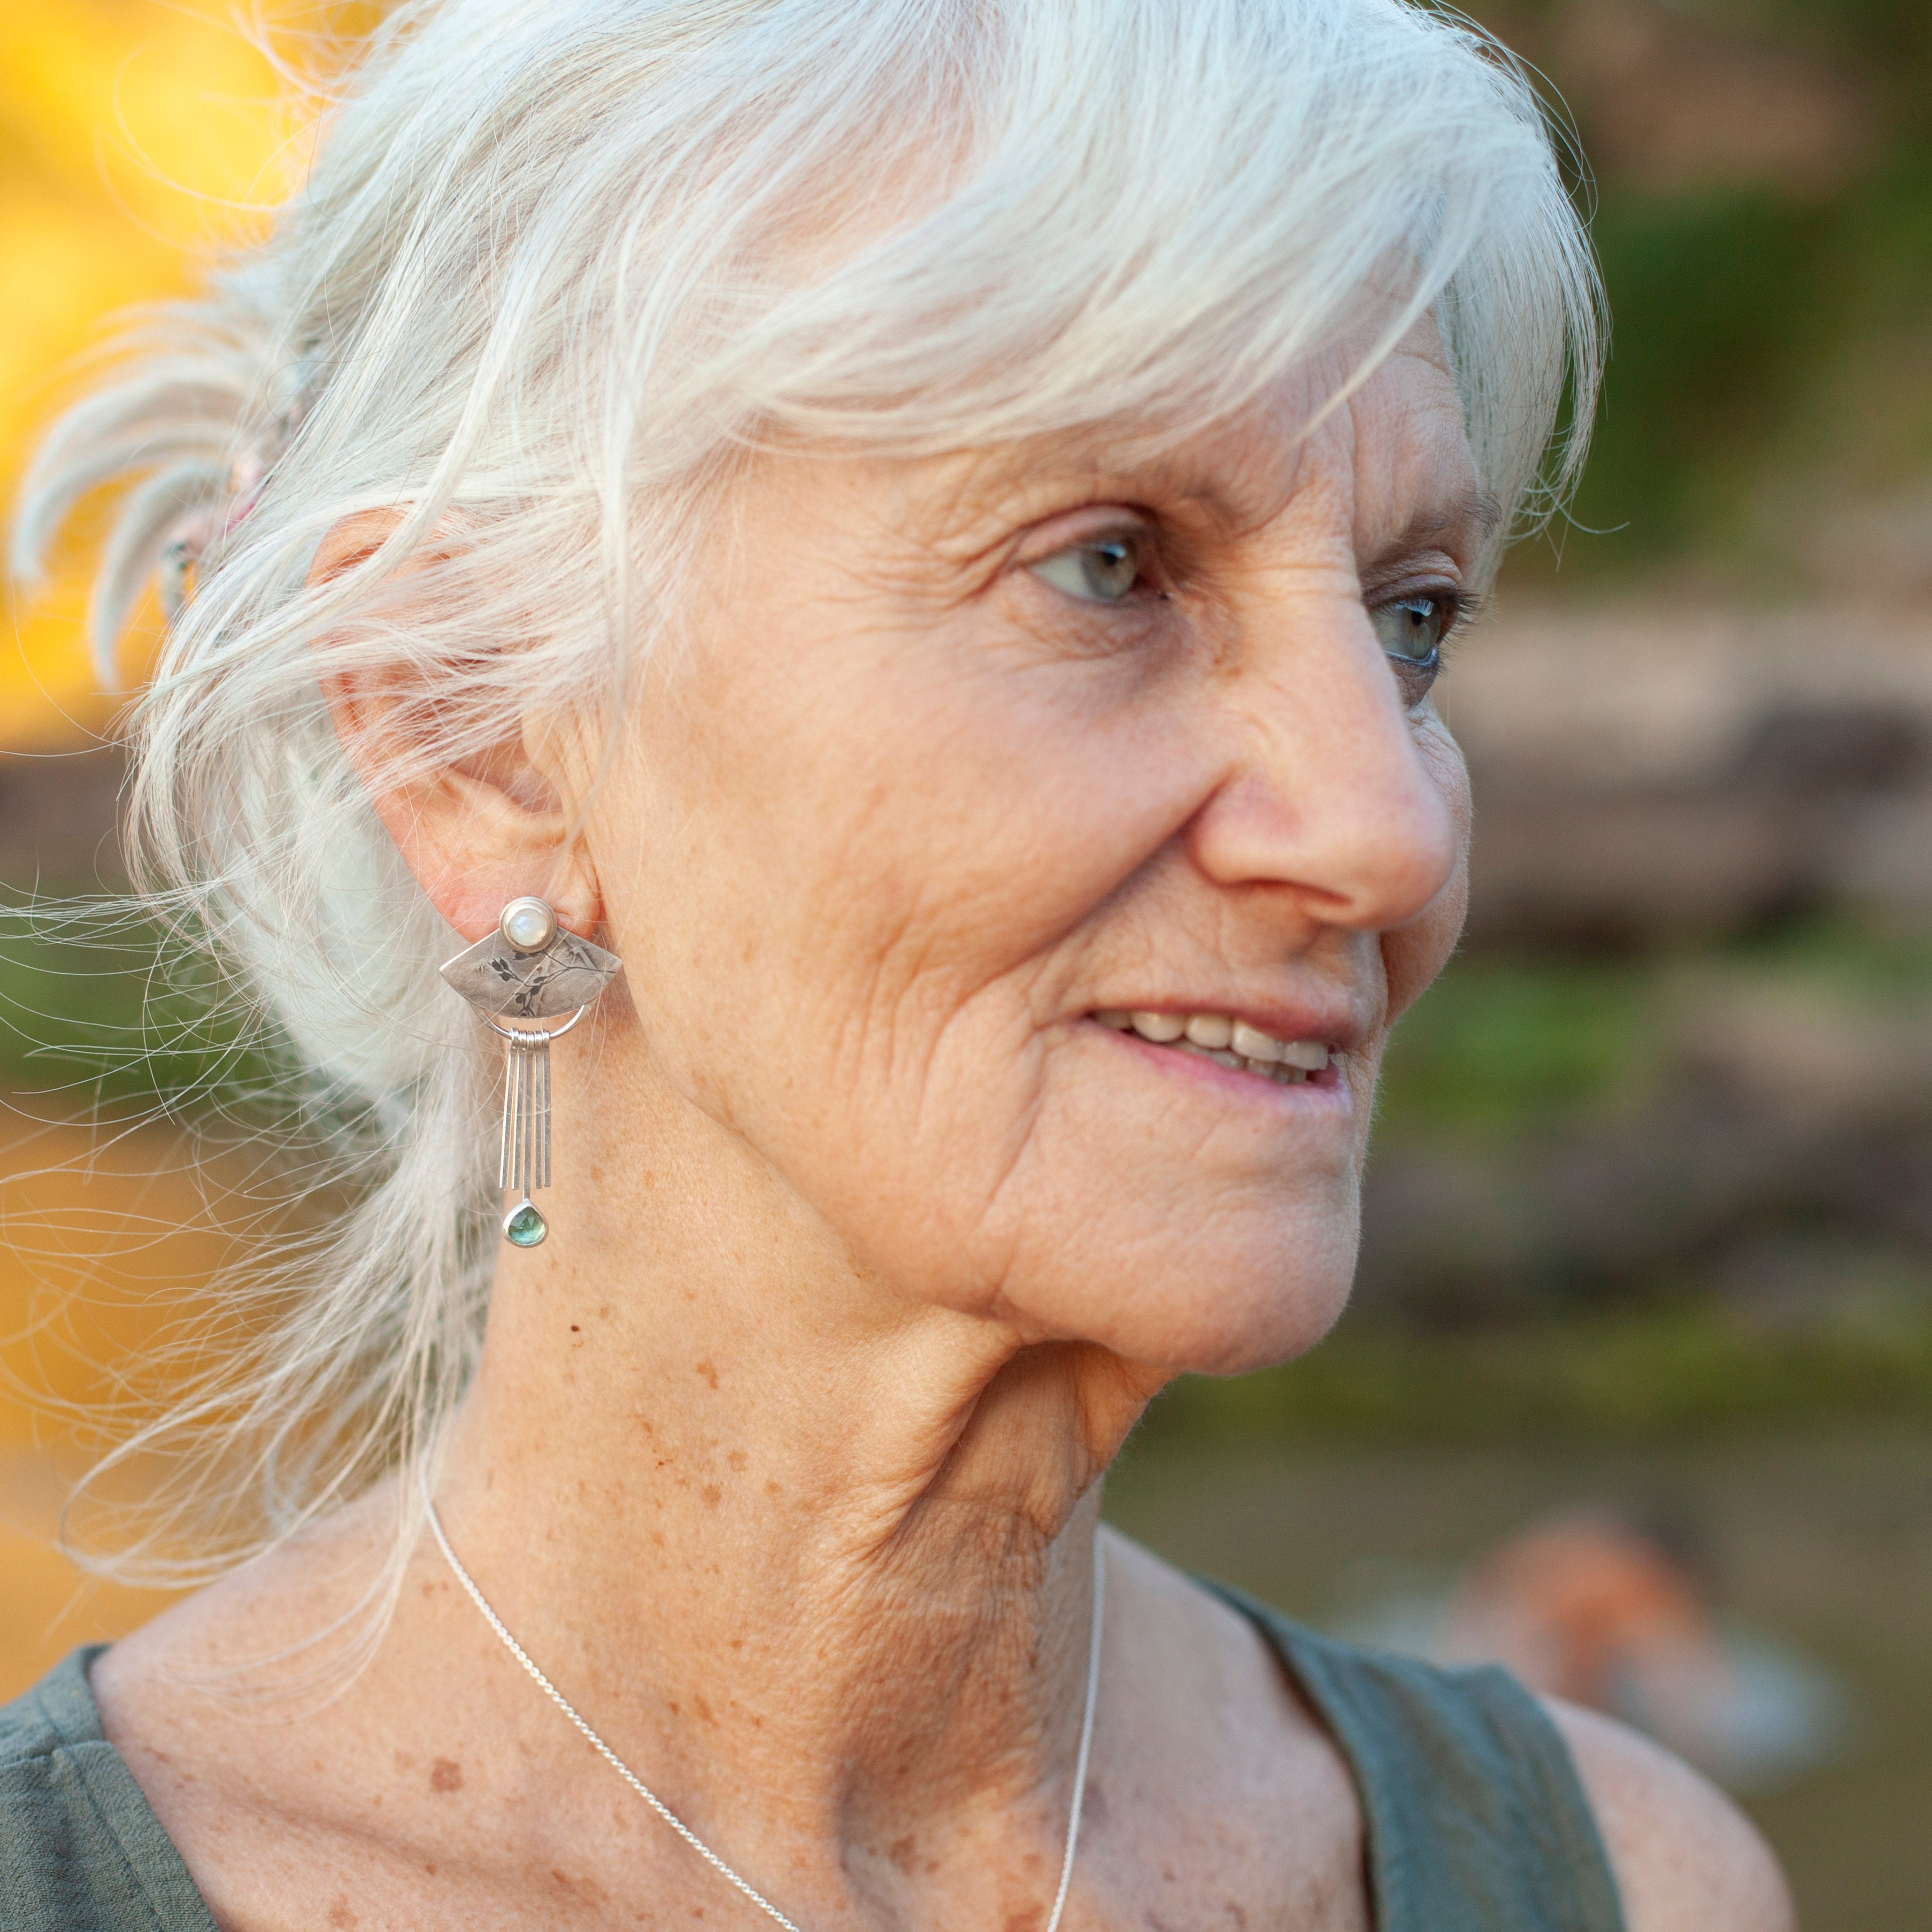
pixel 478 828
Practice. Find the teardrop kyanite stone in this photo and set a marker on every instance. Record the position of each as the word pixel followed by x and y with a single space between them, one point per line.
pixel 524 1227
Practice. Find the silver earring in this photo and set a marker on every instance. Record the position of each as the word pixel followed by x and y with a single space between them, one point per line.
pixel 529 968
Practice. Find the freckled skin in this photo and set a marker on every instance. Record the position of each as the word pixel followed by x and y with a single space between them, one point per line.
pixel 888 1242
pixel 1208 767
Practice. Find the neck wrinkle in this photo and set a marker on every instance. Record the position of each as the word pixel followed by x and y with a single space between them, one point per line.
pixel 831 1583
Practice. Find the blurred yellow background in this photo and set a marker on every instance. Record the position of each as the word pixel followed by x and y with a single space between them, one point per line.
pixel 136 138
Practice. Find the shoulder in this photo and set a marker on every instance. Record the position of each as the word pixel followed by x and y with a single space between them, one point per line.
pixel 1217 1758
pixel 1686 1859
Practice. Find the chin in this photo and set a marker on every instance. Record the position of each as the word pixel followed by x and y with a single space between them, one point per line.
pixel 1219 1308
pixel 1237 1334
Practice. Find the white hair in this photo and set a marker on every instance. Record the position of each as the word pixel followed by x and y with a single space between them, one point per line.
pixel 556 263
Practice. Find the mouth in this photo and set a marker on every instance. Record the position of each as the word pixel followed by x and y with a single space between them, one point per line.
pixel 1230 1042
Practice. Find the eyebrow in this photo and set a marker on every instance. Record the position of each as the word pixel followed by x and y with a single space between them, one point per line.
pixel 1475 513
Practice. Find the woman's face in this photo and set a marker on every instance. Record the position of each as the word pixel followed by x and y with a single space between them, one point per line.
pixel 965 754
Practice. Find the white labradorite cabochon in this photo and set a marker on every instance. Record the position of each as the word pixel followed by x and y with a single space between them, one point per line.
pixel 567 973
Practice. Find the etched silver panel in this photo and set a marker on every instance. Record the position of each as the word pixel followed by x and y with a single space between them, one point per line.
pixel 569 973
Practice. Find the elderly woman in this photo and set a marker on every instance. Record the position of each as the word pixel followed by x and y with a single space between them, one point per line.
pixel 926 531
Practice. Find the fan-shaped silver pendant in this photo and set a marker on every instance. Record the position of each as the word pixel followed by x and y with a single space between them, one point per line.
pixel 529 969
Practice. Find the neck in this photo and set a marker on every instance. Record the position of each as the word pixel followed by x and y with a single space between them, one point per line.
pixel 821 1559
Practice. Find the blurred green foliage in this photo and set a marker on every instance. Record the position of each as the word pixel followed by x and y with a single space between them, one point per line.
pixel 101 1015
pixel 1772 319
pixel 1502 1042
pixel 1506 1043
pixel 1721 314
pixel 1684 1370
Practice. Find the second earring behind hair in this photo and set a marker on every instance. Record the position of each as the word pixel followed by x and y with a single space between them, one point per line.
pixel 529 969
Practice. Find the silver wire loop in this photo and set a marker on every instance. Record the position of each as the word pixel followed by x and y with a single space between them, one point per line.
pixel 522 1158
pixel 532 1037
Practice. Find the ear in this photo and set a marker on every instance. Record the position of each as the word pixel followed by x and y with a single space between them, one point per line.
pixel 477 833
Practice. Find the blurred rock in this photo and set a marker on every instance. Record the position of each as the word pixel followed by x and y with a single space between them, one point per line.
pixel 1884 545
pixel 1612 1608
pixel 1668 100
pixel 58 816
pixel 1649 775
pixel 1798 1279
pixel 1780 1110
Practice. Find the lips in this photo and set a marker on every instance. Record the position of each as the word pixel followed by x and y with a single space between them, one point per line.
pixel 1228 1041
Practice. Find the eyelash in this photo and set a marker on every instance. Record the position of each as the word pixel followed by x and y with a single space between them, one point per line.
pixel 1415 675
pixel 1134 542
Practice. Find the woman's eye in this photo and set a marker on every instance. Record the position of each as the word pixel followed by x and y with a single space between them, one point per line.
pixel 1102 571
pixel 1412 630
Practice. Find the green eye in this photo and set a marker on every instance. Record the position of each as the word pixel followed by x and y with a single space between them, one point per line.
pixel 1102 571
pixel 1412 630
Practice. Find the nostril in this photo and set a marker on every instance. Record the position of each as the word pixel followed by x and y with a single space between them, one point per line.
pixel 1362 827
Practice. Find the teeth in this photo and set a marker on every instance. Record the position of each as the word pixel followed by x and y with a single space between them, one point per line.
pixel 1231 1041
pixel 1252 1044
pixel 1219 1055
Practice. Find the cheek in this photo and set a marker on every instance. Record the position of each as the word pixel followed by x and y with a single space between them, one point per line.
pixel 1413 955
pixel 1217 1253
pixel 849 897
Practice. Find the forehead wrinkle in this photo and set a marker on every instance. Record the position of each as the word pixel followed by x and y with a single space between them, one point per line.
pixel 1430 468
pixel 1019 485
pixel 1233 478
pixel 1228 480
pixel 1466 520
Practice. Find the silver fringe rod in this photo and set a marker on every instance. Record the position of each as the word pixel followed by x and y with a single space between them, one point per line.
pixel 524 1161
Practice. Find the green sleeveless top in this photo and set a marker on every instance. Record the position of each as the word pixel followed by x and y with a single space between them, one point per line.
pixel 1476 1820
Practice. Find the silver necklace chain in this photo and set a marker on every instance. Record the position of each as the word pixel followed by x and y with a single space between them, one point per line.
pixel 684 1830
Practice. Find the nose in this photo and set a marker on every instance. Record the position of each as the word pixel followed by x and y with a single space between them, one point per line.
pixel 1329 791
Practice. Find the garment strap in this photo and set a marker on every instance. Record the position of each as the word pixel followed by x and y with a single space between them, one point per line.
pixel 1477 1820
pixel 80 1851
